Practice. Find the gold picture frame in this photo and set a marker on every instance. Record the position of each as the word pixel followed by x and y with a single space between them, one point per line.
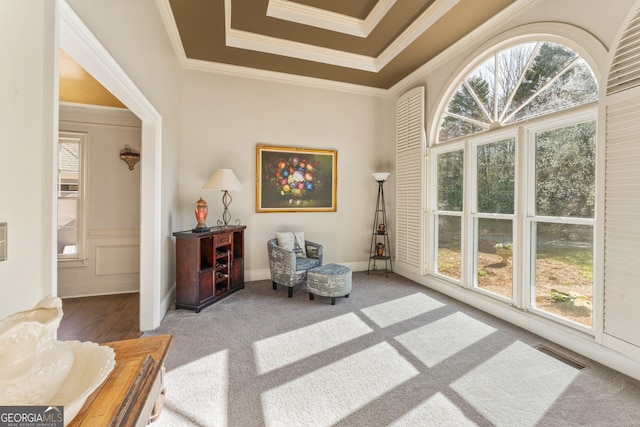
pixel 296 179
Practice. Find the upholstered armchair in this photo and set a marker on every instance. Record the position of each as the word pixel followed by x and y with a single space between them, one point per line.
pixel 289 269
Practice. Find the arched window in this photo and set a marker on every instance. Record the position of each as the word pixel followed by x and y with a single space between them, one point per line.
pixel 519 83
pixel 514 166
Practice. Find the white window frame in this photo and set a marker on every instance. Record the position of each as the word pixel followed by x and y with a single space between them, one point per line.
pixel 432 263
pixel 473 142
pixel 78 259
pixel 523 239
pixel 561 119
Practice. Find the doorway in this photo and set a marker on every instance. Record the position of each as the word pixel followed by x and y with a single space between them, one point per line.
pixel 86 50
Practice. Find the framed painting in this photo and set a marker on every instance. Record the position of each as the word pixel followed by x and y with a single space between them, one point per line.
pixel 295 179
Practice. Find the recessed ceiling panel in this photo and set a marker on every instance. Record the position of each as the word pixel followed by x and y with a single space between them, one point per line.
pixel 408 35
pixel 354 8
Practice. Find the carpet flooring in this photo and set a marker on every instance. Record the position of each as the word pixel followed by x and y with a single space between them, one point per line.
pixel 392 354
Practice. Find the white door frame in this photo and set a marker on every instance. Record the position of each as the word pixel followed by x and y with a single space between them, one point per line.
pixel 78 41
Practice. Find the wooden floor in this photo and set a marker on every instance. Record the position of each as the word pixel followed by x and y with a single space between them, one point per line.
pixel 100 319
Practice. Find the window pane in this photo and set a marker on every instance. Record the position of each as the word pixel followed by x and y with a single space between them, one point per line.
pixel 450 180
pixel 516 84
pixel 67 235
pixel 496 168
pixel 68 187
pixel 564 271
pixel 574 87
pixel 565 171
pixel 494 257
pixel 449 246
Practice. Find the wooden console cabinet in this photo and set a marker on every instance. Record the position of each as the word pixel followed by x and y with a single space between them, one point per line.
pixel 209 265
pixel 133 393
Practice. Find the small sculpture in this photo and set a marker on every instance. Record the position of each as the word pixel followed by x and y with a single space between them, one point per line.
pixel 33 365
pixel 36 369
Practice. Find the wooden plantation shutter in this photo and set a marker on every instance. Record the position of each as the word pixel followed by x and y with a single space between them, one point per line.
pixel 622 190
pixel 409 160
pixel 625 65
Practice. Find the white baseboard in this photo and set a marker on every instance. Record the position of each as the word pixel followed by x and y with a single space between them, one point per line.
pixel 94 289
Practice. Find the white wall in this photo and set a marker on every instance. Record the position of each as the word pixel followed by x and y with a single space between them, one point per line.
pixel 224 117
pixel 112 204
pixel 27 101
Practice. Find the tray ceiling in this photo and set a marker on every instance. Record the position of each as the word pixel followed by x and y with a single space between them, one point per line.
pixel 374 43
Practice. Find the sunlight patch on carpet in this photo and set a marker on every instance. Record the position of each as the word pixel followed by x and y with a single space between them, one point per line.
pixel 435 411
pixel 332 392
pixel 437 341
pixel 398 310
pixel 204 383
pixel 284 349
pixel 516 386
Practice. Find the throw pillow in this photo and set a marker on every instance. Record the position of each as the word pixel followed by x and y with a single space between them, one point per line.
pixel 292 241
pixel 286 240
pixel 299 245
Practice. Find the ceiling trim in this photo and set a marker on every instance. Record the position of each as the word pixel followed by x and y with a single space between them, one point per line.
pixel 480 33
pixel 261 43
pixel 328 20
pixel 267 44
pixel 279 77
pixel 506 15
pixel 172 29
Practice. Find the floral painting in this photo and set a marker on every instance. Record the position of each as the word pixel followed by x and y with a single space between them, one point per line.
pixel 295 179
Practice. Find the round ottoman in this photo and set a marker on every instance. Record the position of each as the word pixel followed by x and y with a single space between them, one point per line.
pixel 330 280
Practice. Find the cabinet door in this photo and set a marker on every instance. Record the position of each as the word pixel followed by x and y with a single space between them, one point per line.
pixel 237 273
pixel 205 290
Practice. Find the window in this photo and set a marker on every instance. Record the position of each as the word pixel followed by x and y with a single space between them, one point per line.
pixel 515 167
pixel 71 187
pixel 450 178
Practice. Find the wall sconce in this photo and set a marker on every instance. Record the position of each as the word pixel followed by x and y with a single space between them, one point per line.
pixel 129 156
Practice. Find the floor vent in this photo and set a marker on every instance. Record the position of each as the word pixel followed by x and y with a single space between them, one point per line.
pixel 561 357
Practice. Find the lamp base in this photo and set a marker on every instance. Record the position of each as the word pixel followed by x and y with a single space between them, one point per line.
pixel 201 230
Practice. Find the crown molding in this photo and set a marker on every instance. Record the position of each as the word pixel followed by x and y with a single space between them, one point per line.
pixel 97 114
pixel 164 7
pixel 438 9
pixel 261 43
pixel 277 46
pixel 327 20
pixel 278 77
pixel 480 33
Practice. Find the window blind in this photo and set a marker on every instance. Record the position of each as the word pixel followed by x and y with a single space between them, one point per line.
pixel 622 221
pixel 410 139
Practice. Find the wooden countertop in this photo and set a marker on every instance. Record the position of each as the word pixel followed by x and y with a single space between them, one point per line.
pixel 128 395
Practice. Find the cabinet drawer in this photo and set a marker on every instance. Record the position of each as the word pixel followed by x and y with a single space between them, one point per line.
pixel 222 239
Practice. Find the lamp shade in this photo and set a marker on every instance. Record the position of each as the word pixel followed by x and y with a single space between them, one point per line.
pixel 223 179
pixel 381 176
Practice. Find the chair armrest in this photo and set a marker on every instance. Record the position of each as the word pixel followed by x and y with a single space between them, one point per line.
pixel 283 256
pixel 314 250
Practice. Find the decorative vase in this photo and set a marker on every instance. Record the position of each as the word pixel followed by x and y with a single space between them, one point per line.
pixel 34 365
pixel 201 211
pixel 379 249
